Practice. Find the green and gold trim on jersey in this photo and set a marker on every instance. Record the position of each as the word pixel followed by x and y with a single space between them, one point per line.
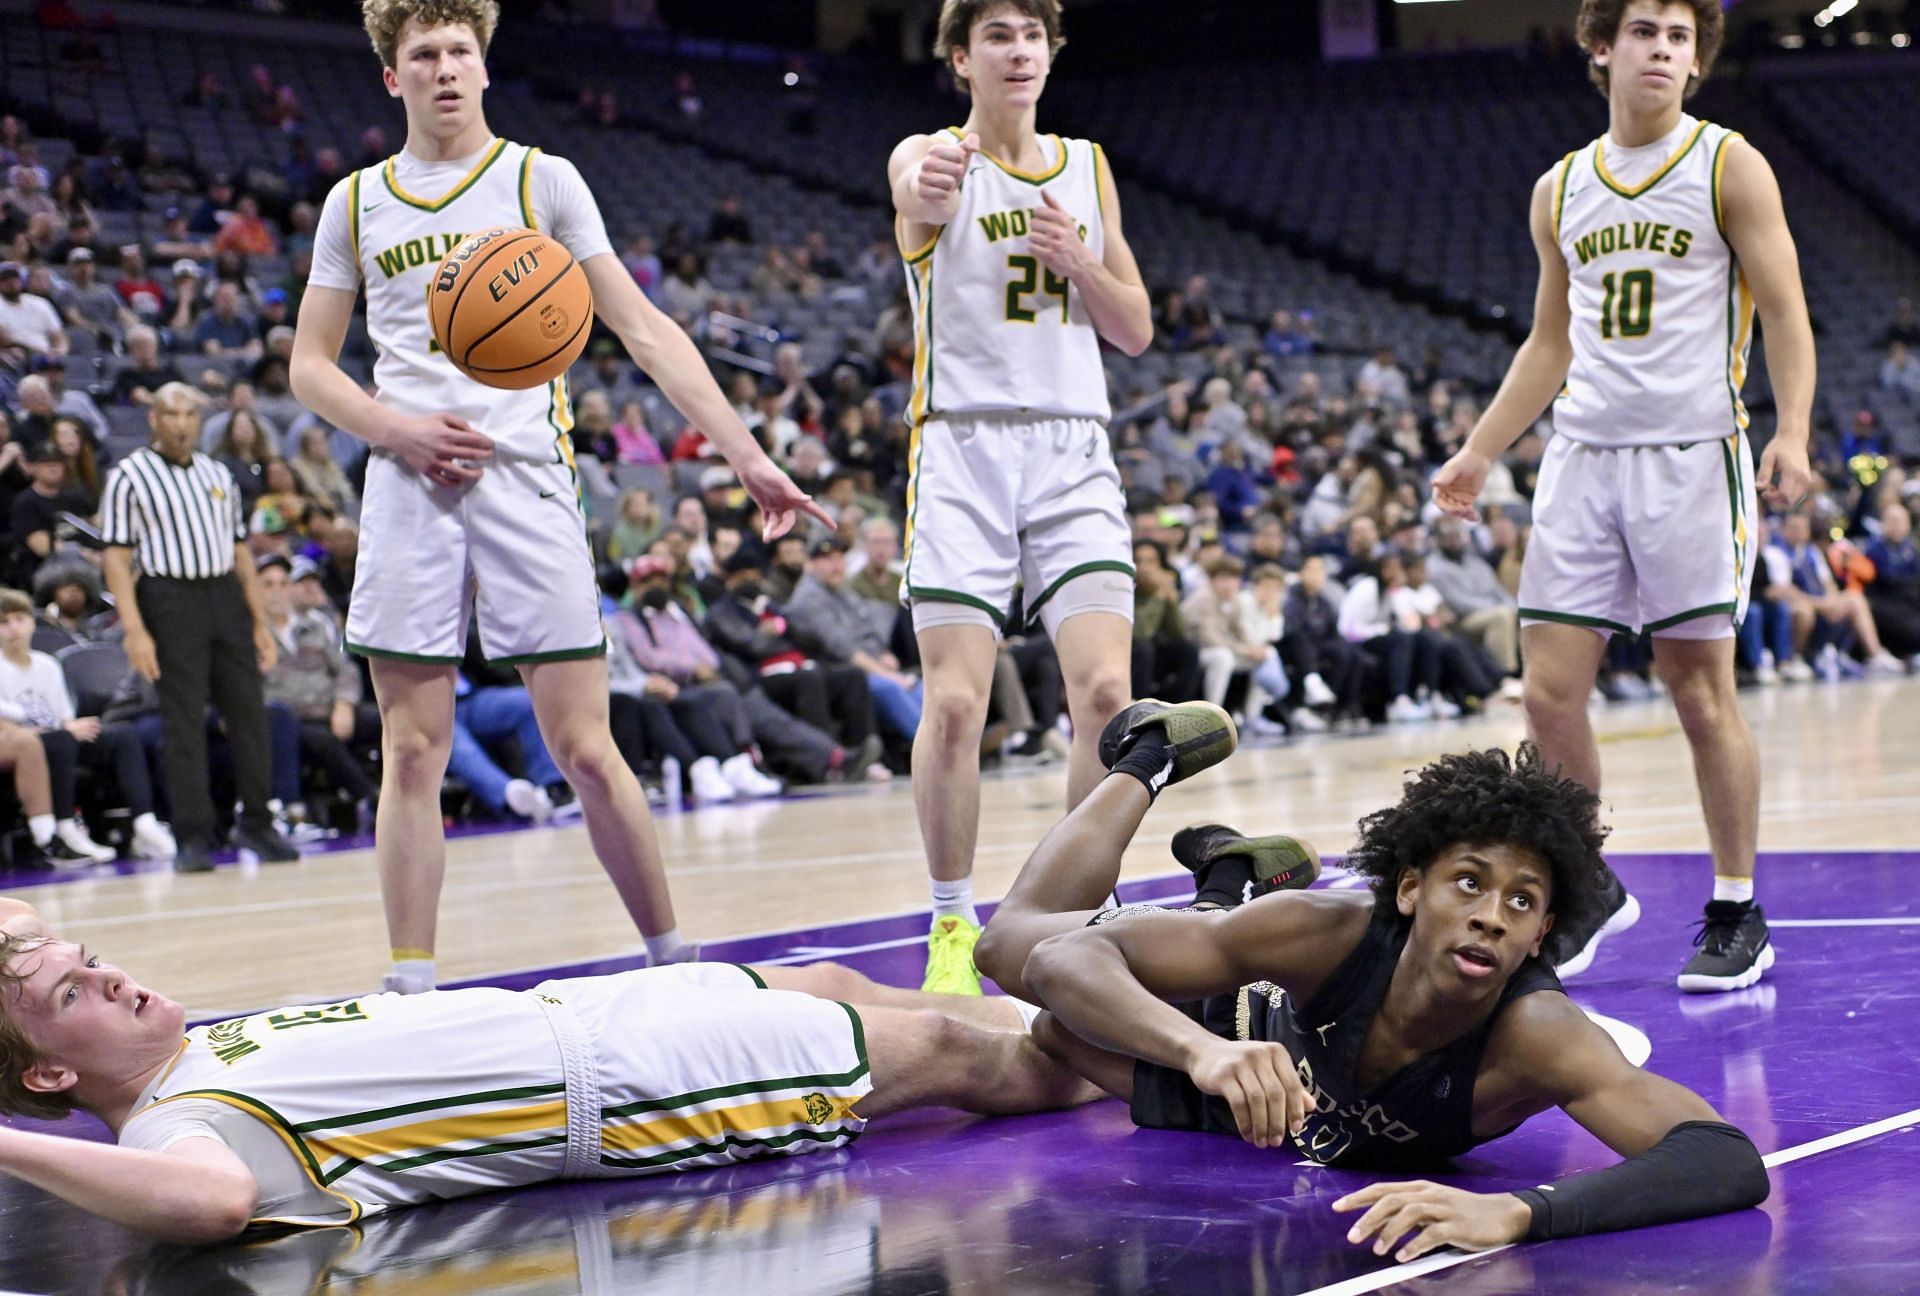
pixel 1031 177
pixel 762 1115
pixel 467 182
pixel 1560 191
pixel 1719 176
pixel 526 189
pixel 1634 191
pixel 1739 338
pixel 353 218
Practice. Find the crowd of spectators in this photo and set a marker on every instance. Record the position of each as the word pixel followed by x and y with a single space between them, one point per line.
pixel 1290 564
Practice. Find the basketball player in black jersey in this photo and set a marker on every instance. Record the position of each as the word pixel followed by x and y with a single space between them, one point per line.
pixel 1391 1029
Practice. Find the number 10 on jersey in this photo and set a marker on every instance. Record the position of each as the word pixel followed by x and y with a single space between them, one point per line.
pixel 1627 310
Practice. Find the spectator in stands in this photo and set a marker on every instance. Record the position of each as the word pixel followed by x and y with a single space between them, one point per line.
pixel 1894 594
pixel 1221 624
pixel 315 679
pixel 146 371
pixel 1467 672
pixel 1385 378
pixel 318 475
pixel 643 263
pixel 1285 337
pixel 880 573
pixel 215 206
pixel 373 148
pixel 827 621
pixel 75 446
pixel 1817 603
pixel 636 525
pixel 633 440
pixel 685 294
pixel 1166 662
pixel 683 672
pixel 245 233
pixel 207 91
pixel 187 307
pixel 243 450
pixel 142 294
pixel 262 95
pixel 68 593
pixel 593 427
pixel 729 223
pixel 273 399
pixel 1361 551
pixel 1235 489
pixel 224 331
pixel 36 511
pixel 116 188
pixel 1485 612
pixel 337 563
pixel 26 192
pixel 1901 370
pixel 23 757
pixel 86 303
pixel 273 314
pixel 80 233
pixel 29 324
pixel 498 714
pixel 33 693
pixel 281 508
pixel 1407 660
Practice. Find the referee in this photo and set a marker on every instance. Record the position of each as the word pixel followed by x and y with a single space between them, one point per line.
pixel 193 622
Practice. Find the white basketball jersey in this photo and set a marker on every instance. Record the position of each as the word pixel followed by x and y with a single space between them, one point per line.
pixel 1661 315
pixel 399 238
pixel 994 330
pixel 346 1086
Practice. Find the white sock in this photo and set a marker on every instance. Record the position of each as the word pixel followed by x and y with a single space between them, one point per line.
pixel 661 948
pixel 1026 1010
pixel 955 899
pixel 41 826
pixel 1738 890
pixel 414 976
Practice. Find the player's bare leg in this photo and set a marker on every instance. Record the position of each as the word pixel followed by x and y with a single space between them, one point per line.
pixel 845 985
pixel 1726 761
pixel 956 665
pixel 570 701
pixel 1096 661
pixel 1561 664
pixel 922 1058
pixel 1065 881
pixel 409 839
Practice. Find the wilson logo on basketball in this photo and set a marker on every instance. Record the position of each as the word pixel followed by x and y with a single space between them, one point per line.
pixel 529 324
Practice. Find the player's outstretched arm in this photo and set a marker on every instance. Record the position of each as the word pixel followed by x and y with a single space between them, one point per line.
pixel 197 1191
pixel 443 447
pixel 1755 221
pixel 1682 1160
pixel 925 173
pixel 1110 284
pixel 1538 371
pixel 1114 985
pixel 663 349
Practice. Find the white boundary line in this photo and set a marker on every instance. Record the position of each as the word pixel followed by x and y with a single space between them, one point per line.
pixel 1843 922
pixel 1426 1264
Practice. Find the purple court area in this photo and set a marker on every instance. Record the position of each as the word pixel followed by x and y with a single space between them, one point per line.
pixel 1816 1063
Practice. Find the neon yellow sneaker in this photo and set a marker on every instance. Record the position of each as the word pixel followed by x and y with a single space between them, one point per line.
pixel 950 968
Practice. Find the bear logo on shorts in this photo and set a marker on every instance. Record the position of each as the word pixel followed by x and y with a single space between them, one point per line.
pixel 819 1110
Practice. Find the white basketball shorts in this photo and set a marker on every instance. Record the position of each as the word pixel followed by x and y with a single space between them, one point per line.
pixel 510 550
pixel 1654 538
pixel 997 501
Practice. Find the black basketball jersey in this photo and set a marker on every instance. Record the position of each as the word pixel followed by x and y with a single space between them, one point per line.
pixel 1420 1114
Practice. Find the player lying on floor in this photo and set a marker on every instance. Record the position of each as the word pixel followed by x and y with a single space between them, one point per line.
pixel 319 1115
pixel 1390 1030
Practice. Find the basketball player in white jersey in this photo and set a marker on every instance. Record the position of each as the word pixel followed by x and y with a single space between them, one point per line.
pixel 472 506
pixel 1017 269
pixel 320 1115
pixel 1656 242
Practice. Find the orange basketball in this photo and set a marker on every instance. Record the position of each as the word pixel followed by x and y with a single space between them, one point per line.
pixel 511 308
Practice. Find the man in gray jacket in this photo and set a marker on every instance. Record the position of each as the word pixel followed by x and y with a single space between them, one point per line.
pixel 827 619
pixel 1486 613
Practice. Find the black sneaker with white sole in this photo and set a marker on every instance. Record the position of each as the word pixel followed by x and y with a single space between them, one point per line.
pixel 266 843
pixel 1230 869
pixel 1732 949
pixel 57 854
pixel 1570 949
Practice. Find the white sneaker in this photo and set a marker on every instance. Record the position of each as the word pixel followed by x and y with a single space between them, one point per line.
pixel 528 801
pixel 1512 689
pixel 1314 691
pixel 1767 673
pixel 1796 671
pixel 73 834
pixel 394 983
pixel 745 778
pixel 1306 722
pixel 153 840
pixel 709 784
pixel 1885 663
pixel 1258 726
pixel 1444 708
pixel 1404 710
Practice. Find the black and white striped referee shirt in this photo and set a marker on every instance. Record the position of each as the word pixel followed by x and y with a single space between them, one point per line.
pixel 180 520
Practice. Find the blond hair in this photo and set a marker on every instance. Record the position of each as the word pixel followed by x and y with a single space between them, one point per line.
pixel 957 18
pixel 383 20
pixel 12 600
pixel 18 1053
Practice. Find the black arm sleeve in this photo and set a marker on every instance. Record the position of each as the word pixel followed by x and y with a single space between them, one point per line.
pixel 1699 1168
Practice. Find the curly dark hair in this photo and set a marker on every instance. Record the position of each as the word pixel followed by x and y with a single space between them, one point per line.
pixel 1599 24
pixel 1484 798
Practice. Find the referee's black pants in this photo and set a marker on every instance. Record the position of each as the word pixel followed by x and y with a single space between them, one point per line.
pixel 203 636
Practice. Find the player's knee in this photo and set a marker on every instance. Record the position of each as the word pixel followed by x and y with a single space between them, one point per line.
pixel 414 758
pixel 1550 702
pixel 993 952
pixel 833 981
pixel 589 761
pixel 1703 702
pixel 1102 694
pixel 956 715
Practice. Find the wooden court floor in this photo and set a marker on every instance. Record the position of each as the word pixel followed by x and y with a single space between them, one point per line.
pixel 1841 769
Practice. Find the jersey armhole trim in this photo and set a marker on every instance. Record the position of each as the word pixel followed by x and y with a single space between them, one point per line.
pixel 281 1127
pixel 526 189
pixel 914 256
pixel 353 216
pixel 1560 191
pixel 1100 180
